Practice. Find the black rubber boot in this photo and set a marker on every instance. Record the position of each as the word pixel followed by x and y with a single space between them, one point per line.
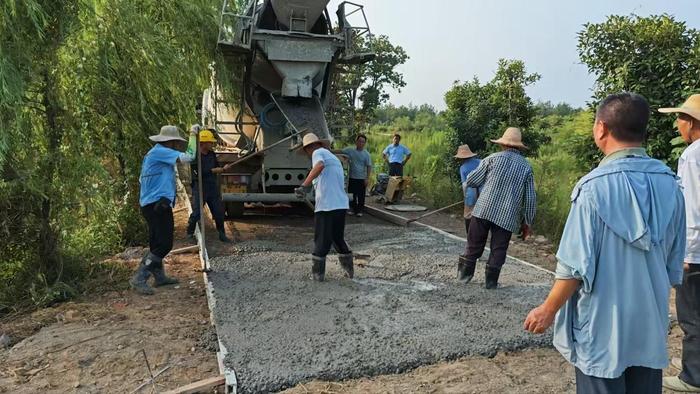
pixel 158 271
pixel 191 225
pixel 138 281
pixel 492 275
pixel 223 237
pixel 346 262
pixel 318 269
pixel 465 270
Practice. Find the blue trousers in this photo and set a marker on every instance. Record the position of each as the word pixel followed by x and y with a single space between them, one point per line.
pixel 212 199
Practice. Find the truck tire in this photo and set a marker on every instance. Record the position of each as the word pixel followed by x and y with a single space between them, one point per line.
pixel 234 209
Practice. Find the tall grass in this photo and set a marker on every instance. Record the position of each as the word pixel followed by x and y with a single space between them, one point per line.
pixel 556 172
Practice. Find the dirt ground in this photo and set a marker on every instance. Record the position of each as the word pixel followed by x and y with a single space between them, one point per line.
pixel 95 344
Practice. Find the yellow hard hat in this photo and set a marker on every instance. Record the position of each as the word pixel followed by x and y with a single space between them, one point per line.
pixel 206 136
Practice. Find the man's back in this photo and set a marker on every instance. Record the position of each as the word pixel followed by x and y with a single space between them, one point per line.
pixel 507 190
pixel 624 241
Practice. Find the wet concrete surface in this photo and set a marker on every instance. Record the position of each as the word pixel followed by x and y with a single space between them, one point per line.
pixel 403 309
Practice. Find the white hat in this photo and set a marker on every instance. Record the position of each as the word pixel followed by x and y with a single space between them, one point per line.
pixel 167 133
pixel 512 137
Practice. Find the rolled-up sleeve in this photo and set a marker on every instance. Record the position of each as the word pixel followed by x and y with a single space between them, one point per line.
pixel 579 244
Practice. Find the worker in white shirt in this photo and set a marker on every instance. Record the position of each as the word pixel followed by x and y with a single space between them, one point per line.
pixel 688 295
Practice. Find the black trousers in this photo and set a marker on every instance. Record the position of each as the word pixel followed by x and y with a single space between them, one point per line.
pixel 329 229
pixel 212 199
pixel 358 189
pixel 688 309
pixel 476 242
pixel 160 229
pixel 395 169
pixel 466 226
pixel 635 380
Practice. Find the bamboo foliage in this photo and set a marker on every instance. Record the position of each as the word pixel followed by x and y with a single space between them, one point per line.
pixel 82 85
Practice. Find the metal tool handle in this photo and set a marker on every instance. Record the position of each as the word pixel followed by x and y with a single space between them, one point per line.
pixel 435 211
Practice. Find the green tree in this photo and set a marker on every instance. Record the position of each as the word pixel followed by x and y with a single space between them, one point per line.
pixel 363 88
pixel 82 85
pixel 477 113
pixel 656 56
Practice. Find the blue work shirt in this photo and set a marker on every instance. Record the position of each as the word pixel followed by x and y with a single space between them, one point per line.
pixel 396 153
pixel 624 240
pixel 470 193
pixel 158 174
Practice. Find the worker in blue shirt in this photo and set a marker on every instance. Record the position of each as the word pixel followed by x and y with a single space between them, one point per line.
pixel 396 155
pixel 621 251
pixel 157 199
pixel 469 163
pixel 210 187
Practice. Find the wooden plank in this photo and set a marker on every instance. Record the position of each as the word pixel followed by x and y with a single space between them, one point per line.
pixel 201 386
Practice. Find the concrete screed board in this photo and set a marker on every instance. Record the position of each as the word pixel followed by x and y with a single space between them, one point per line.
pixel 403 309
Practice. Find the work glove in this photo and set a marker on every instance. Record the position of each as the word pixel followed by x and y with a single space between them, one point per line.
pixel 302 191
pixel 195 129
pixel 162 205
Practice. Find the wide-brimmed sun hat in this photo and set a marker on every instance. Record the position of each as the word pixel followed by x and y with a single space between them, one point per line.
pixel 167 133
pixel 464 152
pixel 512 137
pixel 691 107
pixel 312 138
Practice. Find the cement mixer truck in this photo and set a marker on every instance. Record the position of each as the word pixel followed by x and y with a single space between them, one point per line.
pixel 289 51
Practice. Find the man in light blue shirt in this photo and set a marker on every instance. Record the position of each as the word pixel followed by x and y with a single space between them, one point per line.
pixel 470 162
pixel 157 199
pixel 621 251
pixel 397 155
pixel 328 180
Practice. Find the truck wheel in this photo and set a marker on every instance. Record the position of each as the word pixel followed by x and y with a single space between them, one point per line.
pixel 234 209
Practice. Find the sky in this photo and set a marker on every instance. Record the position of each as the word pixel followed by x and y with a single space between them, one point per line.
pixel 449 40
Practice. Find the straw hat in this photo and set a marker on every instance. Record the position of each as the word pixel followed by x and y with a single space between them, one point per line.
pixel 463 152
pixel 691 107
pixel 312 138
pixel 512 137
pixel 167 133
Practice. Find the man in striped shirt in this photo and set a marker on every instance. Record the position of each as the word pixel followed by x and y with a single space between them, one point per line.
pixel 506 205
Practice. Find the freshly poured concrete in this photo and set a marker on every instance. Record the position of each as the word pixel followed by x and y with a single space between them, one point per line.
pixel 403 309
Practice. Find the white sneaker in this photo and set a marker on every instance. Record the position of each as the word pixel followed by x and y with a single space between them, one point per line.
pixel 359 214
pixel 351 212
pixel 674 383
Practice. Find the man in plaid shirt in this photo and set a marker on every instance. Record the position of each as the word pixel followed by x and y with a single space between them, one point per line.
pixel 506 205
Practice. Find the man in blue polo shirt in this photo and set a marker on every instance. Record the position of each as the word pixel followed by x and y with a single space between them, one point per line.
pixel 621 251
pixel 157 200
pixel 397 155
